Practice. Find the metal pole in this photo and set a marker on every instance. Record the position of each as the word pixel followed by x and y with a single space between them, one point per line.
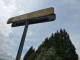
pixel 22 41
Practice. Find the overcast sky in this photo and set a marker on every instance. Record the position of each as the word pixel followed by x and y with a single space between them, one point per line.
pixel 67 17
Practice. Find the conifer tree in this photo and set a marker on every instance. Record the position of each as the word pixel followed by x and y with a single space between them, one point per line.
pixel 64 46
pixel 61 42
pixel 50 54
pixel 31 50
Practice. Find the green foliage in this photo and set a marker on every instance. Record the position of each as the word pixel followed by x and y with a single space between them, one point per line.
pixel 30 51
pixel 57 47
pixel 44 44
pixel 30 57
pixel 48 55
pixel 64 46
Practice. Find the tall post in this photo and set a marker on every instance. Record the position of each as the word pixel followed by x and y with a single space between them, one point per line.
pixel 22 41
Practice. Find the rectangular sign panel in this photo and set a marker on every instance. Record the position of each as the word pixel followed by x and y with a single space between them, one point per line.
pixel 46 18
pixel 31 15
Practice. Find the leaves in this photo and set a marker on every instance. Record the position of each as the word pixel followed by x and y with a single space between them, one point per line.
pixel 30 51
pixel 57 47
pixel 47 55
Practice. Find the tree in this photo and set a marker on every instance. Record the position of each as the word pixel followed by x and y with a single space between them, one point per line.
pixel 30 51
pixel 30 57
pixel 63 45
pixel 57 47
pixel 48 55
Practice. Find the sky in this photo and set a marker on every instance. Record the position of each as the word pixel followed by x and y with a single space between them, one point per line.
pixel 67 17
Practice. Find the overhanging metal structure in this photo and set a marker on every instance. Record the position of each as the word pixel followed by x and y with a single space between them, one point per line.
pixel 31 15
pixel 39 16
pixel 41 19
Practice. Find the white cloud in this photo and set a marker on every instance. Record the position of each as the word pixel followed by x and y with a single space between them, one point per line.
pixel 6 11
pixel 9 8
pixel 5 55
pixel 77 44
pixel 29 33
